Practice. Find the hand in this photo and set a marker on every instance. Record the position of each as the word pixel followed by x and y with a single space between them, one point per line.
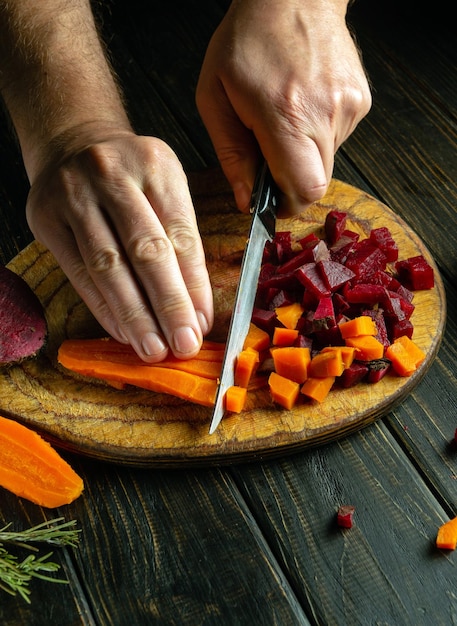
pixel 118 216
pixel 283 79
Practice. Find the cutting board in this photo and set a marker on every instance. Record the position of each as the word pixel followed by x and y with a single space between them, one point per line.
pixel 141 428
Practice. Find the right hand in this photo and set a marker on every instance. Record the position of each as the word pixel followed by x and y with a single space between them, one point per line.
pixel 118 216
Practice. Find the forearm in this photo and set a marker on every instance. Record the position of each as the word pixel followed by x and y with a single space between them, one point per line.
pixel 54 77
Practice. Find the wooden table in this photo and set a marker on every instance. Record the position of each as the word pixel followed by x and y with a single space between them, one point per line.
pixel 257 543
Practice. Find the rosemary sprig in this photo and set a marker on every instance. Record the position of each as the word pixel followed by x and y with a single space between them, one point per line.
pixel 15 575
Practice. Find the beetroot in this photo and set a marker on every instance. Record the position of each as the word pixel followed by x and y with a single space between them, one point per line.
pixel 383 240
pixel 335 224
pixel 353 374
pixel 344 517
pixel 23 326
pixel 309 275
pixel 415 273
pixel 334 274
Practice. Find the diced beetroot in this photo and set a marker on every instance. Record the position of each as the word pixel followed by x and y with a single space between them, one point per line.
pixel 334 226
pixel 324 315
pixel 365 293
pixel 353 374
pixel 381 277
pixel 377 369
pixel 302 341
pixel 309 275
pixel 392 305
pixel 382 238
pixel 321 252
pixel 378 317
pixel 305 323
pixel 415 273
pixel 340 304
pixel 397 328
pixel 335 274
pixel 289 282
pixel 365 260
pixel 405 293
pixel 298 259
pixel 328 337
pixel 344 246
pixel 264 319
pixel 283 243
pixel 344 517
pixel 309 300
pixel 309 241
pixel 23 328
pixel 281 298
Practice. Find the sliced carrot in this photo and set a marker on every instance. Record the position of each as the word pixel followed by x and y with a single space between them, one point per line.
pixel 325 364
pixel 447 535
pixel 246 365
pixel 367 347
pixel 362 325
pixel 284 336
pixel 292 362
pixel 347 353
pixel 317 388
pixel 283 391
pixel 235 399
pixel 405 355
pixel 289 314
pixel 256 338
pixel 32 469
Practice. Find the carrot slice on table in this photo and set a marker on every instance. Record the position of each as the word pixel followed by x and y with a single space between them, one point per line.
pixel 32 469
pixel 246 364
pixel 447 535
pixel 235 399
pixel 283 390
pixel 405 355
pixel 292 362
pixel 317 388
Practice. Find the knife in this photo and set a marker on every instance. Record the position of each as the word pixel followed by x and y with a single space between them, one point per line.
pixel 263 208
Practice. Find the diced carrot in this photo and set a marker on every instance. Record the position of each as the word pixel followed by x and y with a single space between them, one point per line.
pixel 367 347
pixel 246 364
pixel 283 391
pixel 447 535
pixel 292 362
pixel 256 338
pixel 362 325
pixel 405 355
pixel 326 364
pixel 347 353
pixel 284 336
pixel 235 399
pixel 317 388
pixel 289 314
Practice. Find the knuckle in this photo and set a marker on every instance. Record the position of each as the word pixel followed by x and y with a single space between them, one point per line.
pixel 149 249
pixel 183 238
pixel 104 260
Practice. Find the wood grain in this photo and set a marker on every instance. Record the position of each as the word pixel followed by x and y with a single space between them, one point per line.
pixel 142 428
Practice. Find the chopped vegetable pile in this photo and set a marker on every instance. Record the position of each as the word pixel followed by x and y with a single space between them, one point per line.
pixel 329 312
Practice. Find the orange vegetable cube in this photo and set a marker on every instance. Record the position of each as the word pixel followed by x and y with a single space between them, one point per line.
pixel 284 336
pixel 256 338
pixel 317 388
pixel 292 362
pixel 347 353
pixel 362 325
pixel 326 364
pixel 246 364
pixel 283 390
pixel 447 535
pixel 405 355
pixel 367 347
pixel 289 314
pixel 235 399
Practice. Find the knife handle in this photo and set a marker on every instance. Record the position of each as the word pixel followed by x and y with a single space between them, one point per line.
pixel 264 199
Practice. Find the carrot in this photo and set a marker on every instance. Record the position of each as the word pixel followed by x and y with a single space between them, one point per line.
pixel 347 353
pixel 405 355
pixel 447 535
pixel 289 314
pixel 283 391
pixel 317 388
pixel 362 325
pixel 32 469
pixel 325 364
pixel 246 364
pixel 284 336
pixel 292 362
pixel 256 338
pixel 235 399
pixel 73 352
pixel 367 348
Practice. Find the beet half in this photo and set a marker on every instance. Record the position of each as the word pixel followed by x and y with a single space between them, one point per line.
pixel 23 327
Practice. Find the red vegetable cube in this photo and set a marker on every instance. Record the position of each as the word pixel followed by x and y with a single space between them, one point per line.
pixel 345 515
pixel 415 273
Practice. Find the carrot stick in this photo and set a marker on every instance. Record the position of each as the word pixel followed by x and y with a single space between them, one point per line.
pixel 447 535
pixel 235 399
pixel 32 469
pixel 284 336
pixel 362 325
pixel 283 391
pixel 405 355
pixel 367 347
pixel 326 364
pixel 317 388
pixel 257 338
pixel 292 362
pixel 246 364
pixel 289 314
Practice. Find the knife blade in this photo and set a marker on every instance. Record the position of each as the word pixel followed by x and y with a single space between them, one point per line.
pixel 263 208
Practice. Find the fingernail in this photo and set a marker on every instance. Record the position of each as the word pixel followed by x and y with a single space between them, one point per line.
pixel 204 326
pixel 242 193
pixel 185 340
pixel 153 345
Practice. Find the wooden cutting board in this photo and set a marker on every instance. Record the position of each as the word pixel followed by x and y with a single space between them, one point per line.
pixel 137 427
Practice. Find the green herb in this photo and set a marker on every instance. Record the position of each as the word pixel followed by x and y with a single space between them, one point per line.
pixel 15 575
